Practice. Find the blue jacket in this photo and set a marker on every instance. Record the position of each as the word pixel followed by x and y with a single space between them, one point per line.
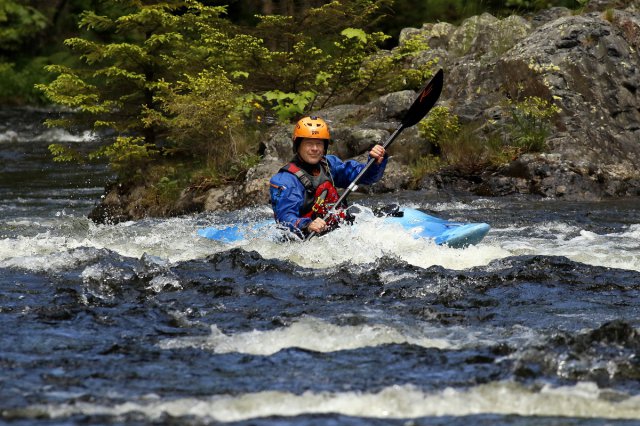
pixel 287 192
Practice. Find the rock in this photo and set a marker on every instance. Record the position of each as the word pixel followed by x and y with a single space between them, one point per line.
pixel 548 15
pixel 603 5
pixel 111 208
pixel 396 176
pixel 361 140
pixel 437 34
pixel 221 198
pixel 581 72
pixel 495 186
pixel 395 105
pixel 587 64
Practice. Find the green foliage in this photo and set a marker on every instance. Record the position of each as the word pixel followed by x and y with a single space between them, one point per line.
pixel 424 165
pixel 440 124
pixel 19 24
pixel 179 75
pixel 319 52
pixel 458 146
pixel 382 71
pixel 21 28
pixel 127 154
pixel 466 147
pixel 288 105
pixel 240 165
pixel 440 129
pixel 167 190
pixel 353 68
pixel 609 15
pixel 530 125
pixel 63 153
pixel 146 81
pixel 199 114
pixel 325 57
pixel 17 83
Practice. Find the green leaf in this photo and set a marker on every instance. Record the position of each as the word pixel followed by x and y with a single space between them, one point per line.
pixel 355 33
pixel 62 153
pixel 239 74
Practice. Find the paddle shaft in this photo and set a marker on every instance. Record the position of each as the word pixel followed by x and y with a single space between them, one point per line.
pixel 354 184
pixel 426 99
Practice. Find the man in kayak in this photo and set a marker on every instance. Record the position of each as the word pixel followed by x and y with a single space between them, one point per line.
pixel 304 190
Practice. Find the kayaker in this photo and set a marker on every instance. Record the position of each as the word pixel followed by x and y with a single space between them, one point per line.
pixel 304 190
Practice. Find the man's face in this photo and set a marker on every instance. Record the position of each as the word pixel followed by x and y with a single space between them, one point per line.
pixel 311 150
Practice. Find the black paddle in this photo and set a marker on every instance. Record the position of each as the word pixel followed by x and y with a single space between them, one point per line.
pixel 426 99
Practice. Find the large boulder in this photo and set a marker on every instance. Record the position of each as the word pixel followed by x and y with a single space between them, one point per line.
pixel 587 64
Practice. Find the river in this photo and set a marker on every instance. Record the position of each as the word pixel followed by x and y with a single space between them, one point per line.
pixel 146 323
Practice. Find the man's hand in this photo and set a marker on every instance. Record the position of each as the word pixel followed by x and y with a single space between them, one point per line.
pixel 378 153
pixel 318 226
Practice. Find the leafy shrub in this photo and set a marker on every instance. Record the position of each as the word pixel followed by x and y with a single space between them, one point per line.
pixel 145 84
pixel 529 124
pixel 439 126
pixel 19 24
pixel 199 114
pixel 17 82
pixel 128 155
pixel 465 147
pixel 174 78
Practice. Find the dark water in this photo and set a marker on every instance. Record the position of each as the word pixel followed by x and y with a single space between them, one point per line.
pixel 144 323
pixel 30 183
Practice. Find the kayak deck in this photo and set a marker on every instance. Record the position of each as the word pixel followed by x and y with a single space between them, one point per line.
pixel 442 231
pixel 417 223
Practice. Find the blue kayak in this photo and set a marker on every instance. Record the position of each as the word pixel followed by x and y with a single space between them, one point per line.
pixel 417 223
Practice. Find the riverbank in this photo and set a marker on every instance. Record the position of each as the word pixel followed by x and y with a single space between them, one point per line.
pixel 585 64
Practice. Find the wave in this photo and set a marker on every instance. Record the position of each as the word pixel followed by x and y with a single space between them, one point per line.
pixel 580 401
pixel 46 135
pixel 367 243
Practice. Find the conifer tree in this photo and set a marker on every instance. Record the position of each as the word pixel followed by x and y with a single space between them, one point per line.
pixel 174 76
pixel 135 56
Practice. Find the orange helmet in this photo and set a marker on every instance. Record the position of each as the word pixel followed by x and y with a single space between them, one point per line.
pixel 311 127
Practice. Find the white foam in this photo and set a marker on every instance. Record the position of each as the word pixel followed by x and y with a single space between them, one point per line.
pixel 477 204
pixel 160 282
pixel 308 333
pixel 42 253
pixel 369 240
pixel 176 240
pixel 315 334
pixel 613 250
pixel 9 136
pixel 584 400
pixel 363 244
pixel 46 135
pixel 55 248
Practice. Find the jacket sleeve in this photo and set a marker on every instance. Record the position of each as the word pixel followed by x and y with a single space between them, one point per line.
pixel 344 172
pixel 287 196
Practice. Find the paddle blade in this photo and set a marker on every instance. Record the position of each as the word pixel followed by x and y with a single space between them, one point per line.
pixel 426 99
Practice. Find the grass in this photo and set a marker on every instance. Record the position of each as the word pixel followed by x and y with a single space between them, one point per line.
pixel 476 145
